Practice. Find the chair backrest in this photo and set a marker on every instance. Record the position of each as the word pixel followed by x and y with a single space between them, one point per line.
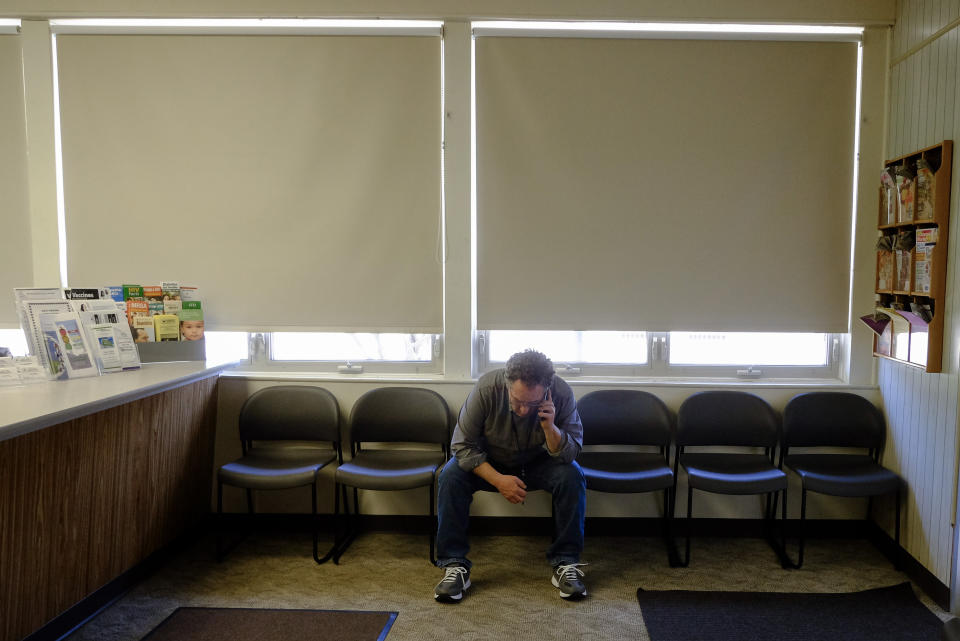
pixel 290 413
pixel 624 417
pixel 727 418
pixel 400 414
pixel 832 419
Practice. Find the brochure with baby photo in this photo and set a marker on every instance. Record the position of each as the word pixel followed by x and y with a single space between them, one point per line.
pixel 191 321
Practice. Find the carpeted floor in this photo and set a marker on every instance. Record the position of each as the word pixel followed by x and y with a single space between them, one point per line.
pixel 511 597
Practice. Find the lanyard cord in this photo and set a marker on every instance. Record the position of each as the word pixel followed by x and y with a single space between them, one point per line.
pixel 516 439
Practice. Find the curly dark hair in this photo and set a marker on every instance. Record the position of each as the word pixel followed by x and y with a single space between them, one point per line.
pixel 531 368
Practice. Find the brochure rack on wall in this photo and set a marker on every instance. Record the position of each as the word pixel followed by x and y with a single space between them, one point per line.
pixel 170 351
pixel 912 257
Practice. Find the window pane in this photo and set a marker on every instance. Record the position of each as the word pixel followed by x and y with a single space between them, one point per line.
pixel 343 346
pixel 748 348
pixel 572 347
pixel 227 346
pixel 14 340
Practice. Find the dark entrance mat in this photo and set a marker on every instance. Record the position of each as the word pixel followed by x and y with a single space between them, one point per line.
pixel 249 624
pixel 889 614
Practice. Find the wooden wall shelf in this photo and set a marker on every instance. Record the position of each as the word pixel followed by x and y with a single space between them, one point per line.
pixel 911 275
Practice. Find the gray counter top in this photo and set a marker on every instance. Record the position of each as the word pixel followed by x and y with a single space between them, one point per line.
pixel 27 408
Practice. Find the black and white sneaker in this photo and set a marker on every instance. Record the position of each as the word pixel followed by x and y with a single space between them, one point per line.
pixel 455 581
pixel 568 578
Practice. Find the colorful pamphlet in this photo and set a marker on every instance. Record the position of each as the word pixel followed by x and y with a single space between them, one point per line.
pixel 67 348
pixel 191 321
pixel 167 327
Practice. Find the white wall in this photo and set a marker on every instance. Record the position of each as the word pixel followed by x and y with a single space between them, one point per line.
pixel 921 409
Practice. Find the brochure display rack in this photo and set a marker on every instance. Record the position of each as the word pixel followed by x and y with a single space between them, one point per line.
pixel 912 257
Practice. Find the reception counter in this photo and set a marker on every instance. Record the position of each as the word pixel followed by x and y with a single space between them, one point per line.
pixel 95 475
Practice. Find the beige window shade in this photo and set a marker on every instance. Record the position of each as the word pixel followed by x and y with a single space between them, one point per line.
pixel 664 184
pixel 16 263
pixel 294 179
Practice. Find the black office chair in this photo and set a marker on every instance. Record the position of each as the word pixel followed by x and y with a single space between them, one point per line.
pixel 398 416
pixel 837 420
pixel 288 434
pixel 628 418
pixel 730 419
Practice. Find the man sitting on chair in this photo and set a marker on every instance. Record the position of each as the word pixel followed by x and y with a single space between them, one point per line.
pixel 518 431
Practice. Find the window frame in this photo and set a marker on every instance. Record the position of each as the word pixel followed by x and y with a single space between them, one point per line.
pixel 658 365
pixel 261 353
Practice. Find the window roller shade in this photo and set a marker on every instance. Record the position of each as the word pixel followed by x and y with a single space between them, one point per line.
pixel 664 185
pixel 294 179
pixel 16 261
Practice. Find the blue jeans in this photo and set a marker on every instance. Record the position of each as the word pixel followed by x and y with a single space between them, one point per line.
pixel 564 481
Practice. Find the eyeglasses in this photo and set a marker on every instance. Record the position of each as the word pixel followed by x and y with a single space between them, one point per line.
pixel 516 402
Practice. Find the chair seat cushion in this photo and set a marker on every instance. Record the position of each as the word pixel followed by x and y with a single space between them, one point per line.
pixel 733 473
pixel 843 474
pixel 276 468
pixel 625 472
pixel 390 469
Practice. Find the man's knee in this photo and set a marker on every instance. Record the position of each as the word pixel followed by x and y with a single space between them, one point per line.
pixel 453 477
pixel 568 477
pixel 576 477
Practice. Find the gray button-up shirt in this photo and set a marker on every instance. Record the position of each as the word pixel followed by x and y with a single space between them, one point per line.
pixel 488 430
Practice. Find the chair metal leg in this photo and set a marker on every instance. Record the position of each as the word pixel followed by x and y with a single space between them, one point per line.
pixel 802 527
pixel 433 521
pixel 778 546
pixel 219 521
pixel 337 540
pixel 673 557
pixel 352 521
pixel 686 557
pixel 316 536
pixel 781 547
pixel 249 501
pixel 316 527
pixel 223 550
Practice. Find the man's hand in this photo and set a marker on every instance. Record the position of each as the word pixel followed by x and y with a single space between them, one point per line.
pixel 547 411
pixel 512 488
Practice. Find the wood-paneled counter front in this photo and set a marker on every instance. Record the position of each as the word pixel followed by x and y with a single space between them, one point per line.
pixel 95 475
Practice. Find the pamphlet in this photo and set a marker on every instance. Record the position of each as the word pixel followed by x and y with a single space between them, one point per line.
pixel 30 369
pixel 32 309
pixel 142 329
pixel 884 270
pixel 889 198
pixel 107 353
pixel 137 308
pixel 904 260
pixel 190 293
pixel 65 339
pixel 167 327
pixel 88 293
pixel 24 294
pixel 191 321
pixel 172 306
pixel 8 372
pixel 171 289
pixel 906 185
pixel 97 313
pixel 132 292
pixel 926 184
